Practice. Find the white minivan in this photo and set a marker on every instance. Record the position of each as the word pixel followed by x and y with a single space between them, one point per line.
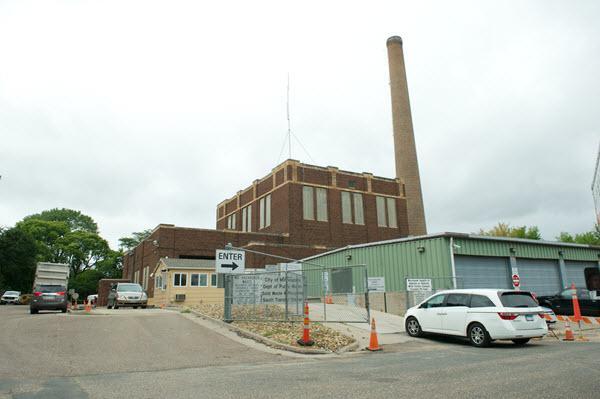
pixel 481 315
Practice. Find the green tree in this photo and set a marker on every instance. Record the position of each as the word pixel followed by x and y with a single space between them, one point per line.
pixel 127 243
pixel 17 260
pixel 75 220
pixel 67 236
pixel 112 265
pixel 86 283
pixel 505 230
pixel 588 237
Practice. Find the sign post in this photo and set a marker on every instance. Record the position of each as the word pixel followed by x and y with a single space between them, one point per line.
pixel 230 261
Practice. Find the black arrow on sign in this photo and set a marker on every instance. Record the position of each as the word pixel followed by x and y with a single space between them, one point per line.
pixel 231 266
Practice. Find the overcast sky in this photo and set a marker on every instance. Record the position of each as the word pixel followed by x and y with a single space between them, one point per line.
pixel 147 112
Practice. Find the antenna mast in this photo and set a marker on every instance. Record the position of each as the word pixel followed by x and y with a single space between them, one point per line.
pixel 288 118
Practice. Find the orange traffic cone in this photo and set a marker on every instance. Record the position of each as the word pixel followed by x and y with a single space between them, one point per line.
pixel 329 299
pixel 88 306
pixel 577 313
pixel 373 342
pixel 568 333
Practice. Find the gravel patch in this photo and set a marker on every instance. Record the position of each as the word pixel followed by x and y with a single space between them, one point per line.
pixel 284 332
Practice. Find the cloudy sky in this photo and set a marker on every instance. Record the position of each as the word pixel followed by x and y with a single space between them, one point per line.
pixel 147 112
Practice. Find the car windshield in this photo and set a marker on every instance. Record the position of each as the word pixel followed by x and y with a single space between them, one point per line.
pixel 11 293
pixel 518 300
pixel 129 288
pixel 50 288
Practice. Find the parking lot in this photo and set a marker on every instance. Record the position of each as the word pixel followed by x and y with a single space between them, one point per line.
pixel 154 353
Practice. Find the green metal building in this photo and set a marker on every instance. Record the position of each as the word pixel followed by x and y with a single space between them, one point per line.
pixel 472 261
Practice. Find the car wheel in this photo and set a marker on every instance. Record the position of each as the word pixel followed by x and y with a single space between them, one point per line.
pixel 144 306
pixel 413 328
pixel 115 306
pixel 520 341
pixel 33 311
pixel 478 335
pixel 135 307
pixel 63 310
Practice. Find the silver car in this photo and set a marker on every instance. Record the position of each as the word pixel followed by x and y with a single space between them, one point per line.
pixel 10 297
pixel 127 294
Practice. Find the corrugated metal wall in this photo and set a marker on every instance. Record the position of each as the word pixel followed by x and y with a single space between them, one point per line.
pixel 483 247
pixel 396 261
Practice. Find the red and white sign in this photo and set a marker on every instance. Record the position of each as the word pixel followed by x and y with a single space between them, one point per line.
pixel 516 280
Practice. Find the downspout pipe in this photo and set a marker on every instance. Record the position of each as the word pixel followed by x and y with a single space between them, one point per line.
pixel 452 264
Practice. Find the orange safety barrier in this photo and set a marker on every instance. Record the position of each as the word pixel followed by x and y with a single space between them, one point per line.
pixel 305 340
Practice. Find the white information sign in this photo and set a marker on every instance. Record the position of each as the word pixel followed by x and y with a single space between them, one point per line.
pixel 376 284
pixel 418 284
pixel 230 261
pixel 270 288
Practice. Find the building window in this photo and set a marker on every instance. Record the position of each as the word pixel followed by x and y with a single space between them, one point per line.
pixel 381 221
pixel 247 218
pixel 198 280
pixel 213 280
pixel 264 206
pixel 179 279
pixel 359 217
pixel 346 208
pixel 146 277
pixel 158 281
pixel 391 212
pixel 231 225
pixel 307 203
pixel 352 201
pixel 164 280
pixel 321 204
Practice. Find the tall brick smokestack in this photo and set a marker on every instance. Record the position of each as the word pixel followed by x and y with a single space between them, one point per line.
pixel 407 166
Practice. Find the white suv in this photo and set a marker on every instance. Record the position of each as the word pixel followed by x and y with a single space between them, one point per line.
pixel 480 315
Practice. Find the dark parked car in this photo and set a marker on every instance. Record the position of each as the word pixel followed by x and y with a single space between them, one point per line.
pixel 48 297
pixel 562 303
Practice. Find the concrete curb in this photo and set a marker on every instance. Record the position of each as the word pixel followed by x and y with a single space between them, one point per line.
pixel 271 343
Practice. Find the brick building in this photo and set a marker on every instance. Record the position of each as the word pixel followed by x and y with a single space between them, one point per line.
pixel 297 210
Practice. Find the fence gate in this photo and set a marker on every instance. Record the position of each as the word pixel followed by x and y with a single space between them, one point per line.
pixel 336 294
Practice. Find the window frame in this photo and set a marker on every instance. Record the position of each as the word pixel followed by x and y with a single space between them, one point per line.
pixel 216 280
pixel 474 296
pixel 199 285
pixel 180 274
pixel 441 305
pixel 390 207
pixel 346 199
pixel 308 203
pixel 380 208
pixel 467 301
pixel 356 207
pixel 321 214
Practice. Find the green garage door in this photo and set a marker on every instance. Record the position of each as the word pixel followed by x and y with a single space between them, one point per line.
pixel 482 272
pixel 576 272
pixel 541 276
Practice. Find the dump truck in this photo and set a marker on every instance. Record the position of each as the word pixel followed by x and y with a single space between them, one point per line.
pixel 51 274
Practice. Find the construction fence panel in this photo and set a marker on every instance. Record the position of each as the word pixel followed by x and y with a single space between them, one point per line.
pixel 334 294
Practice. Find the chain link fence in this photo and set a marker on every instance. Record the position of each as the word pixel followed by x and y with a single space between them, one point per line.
pixel 336 294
